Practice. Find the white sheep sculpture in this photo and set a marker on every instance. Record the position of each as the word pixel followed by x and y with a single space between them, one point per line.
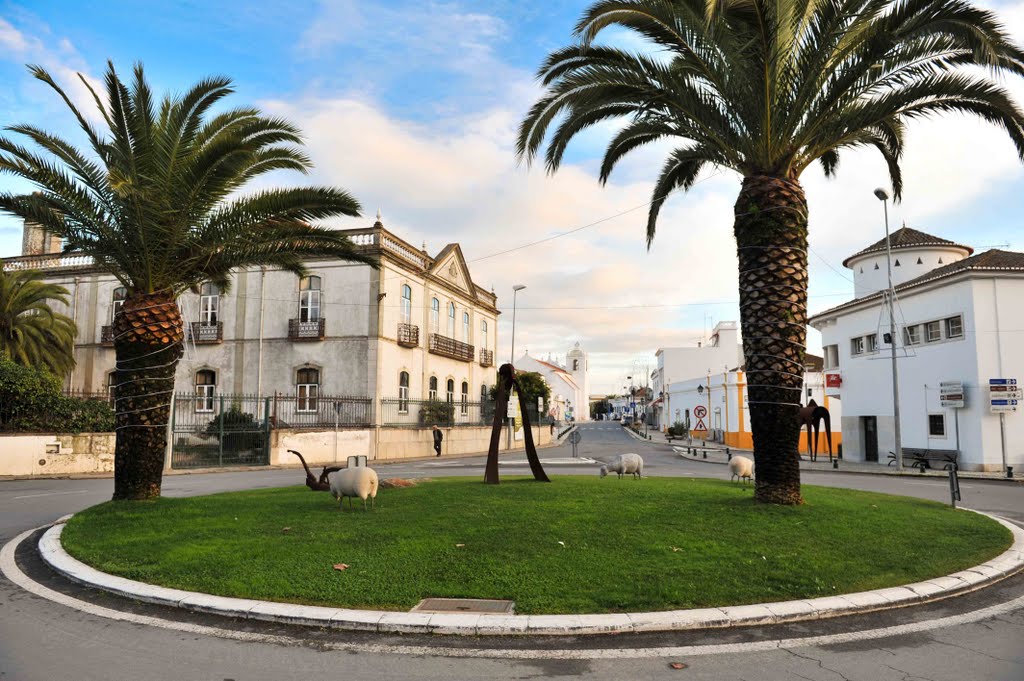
pixel 741 468
pixel 354 482
pixel 624 464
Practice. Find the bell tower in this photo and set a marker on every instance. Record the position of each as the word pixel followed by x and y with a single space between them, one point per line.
pixel 577 364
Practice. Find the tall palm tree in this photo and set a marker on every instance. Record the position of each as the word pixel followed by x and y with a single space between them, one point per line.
pixel 766 88
pixel 31 333
pixel 158 202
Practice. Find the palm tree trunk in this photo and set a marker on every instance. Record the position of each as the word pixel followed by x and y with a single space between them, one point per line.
pixel 771 239
pixel 148 334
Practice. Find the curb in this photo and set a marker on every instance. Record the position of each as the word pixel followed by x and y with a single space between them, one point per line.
pixel 1002 566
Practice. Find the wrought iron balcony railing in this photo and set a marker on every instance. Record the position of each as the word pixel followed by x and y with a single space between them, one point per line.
pixel 107 336
pixel 408 335
pixel 486 358
pixel 207 333
pixel 306 331
pixel 449 347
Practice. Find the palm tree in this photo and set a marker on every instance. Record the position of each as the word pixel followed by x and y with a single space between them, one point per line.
pixel 766 88
pixel 158 202
pixel 31 333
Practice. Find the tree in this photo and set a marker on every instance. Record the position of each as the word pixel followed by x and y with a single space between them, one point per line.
pixel 160 202
pixel 533 386
pixel 31 333
pixel 765 88
pixel 599 408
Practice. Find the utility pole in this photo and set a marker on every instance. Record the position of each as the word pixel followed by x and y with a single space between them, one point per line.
pixel 883 196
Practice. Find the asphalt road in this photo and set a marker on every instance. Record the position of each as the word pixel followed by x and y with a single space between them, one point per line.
pixel 43 641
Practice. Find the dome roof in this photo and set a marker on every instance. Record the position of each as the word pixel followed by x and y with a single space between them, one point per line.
pixel 905 237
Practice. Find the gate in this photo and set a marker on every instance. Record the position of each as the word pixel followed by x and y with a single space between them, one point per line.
pixel 220 430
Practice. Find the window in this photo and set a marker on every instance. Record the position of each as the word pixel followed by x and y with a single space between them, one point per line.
pixel 955 327
pixel 483 334
pixel 117 300
pixel 432 394
pixel 403 392
pixel 465 327
pixel 206 388
pixel 871 341
pixel 810 393
pixel 451 390
pixel 307 389
pixel 112 389
pixel 831 356
pixel 209 304
pixel 912 335
pixel 936 425
pixel 451 320
pixel 857 346
pixel 932 332
pixel 575 365
pixel 406 304
pixel 435 314
pixel 465 398
pixel 309 299
pixel 484 395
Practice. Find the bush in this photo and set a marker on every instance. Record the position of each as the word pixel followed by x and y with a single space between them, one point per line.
pixel 677 429
pixel 31 402
pixel 437 412
pixel 241 429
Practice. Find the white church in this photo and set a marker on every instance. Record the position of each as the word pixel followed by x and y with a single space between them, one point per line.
pixel 569 382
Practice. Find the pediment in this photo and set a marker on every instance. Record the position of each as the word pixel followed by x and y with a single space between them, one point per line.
pixel 450 266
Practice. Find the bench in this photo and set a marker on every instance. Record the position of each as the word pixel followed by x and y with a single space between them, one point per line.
pixel 923 458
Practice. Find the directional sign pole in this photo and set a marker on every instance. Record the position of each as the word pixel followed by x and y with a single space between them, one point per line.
pixel 1002 437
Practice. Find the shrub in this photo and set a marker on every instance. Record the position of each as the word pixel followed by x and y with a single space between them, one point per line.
pixel 31 402
pixel 437 412
pixel 241 430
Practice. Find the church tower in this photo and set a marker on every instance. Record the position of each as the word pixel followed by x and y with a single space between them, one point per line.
pixel 577 364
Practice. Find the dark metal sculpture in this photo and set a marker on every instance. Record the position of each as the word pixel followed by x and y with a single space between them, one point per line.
pixel 811 416
pixel 321 485
pixel 506 381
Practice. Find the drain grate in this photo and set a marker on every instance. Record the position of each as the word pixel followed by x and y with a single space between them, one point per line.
pixel 465 605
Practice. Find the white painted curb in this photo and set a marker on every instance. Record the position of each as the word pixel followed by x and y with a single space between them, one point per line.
pixel 1002 566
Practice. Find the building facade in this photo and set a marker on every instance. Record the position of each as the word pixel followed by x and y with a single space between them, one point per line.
pixel 957 320
pixel 569 383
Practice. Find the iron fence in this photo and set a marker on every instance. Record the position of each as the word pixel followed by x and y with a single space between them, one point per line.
pixel 398 412
pixel 220 430
pixel 320 413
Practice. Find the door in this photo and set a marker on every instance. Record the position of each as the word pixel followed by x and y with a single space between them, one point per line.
pixel 870 426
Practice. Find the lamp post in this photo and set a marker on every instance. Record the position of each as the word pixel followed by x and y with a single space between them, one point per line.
pixel 515 292
pixel 883 196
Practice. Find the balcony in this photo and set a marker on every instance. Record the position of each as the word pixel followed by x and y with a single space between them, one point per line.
pixel 449 347
pixel 107 336
pixel 207 333
pixel 486 358
pixel 306 331
pixel 408 335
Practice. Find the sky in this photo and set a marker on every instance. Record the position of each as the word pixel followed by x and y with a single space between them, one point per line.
pixel 413 108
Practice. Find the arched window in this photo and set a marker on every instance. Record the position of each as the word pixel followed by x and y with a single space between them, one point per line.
pixel 451 320
pixel 116 301
pixel 483 335
pixel 435 315
pixel 432 394
pixel 406 304
pixel 484 395
pixel 465 397
pixel 403 392
pixel 307 388
pixel 209 304
pixel 206 389
pixel 465 327
pixel 451 390
pixel 309 299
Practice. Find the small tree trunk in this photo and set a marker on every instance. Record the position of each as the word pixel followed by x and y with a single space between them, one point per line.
pixel 771 239
pixel 148 334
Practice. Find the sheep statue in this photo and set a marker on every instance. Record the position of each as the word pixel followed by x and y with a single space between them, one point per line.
pixel 359 481
pixel 628 464
pixel 741 468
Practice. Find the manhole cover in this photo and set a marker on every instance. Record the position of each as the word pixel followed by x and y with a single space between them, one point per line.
pixel 457 605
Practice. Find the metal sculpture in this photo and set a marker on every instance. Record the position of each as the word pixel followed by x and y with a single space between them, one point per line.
pixel 811 416
pixel 321 485
pixel 506 381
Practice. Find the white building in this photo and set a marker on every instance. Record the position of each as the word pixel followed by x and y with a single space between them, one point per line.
pixel 958 318
pixel 569 383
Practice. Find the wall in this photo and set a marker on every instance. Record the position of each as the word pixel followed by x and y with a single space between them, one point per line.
pixel 319 447
pixel 25 455
pixel 405 443
pixel 870 274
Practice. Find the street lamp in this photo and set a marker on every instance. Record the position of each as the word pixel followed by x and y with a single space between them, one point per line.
pixel 515 292
pixel 883 196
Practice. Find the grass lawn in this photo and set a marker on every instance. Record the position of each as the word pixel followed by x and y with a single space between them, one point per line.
pixel 580 544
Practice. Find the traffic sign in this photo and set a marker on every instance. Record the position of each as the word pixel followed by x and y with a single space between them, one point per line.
pixel 1002 381
pixel 951 394
pixel 575 437
pixel 1003 405
pixel 700 411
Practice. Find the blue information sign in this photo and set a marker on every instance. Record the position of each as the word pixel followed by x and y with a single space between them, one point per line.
pixel 1002 381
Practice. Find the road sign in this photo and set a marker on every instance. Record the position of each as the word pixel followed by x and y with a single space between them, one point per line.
pixel 1004 395
pixel 951 394
pixel 700 411
pixel 575 437
pixel 1003 406
pixel 1002 381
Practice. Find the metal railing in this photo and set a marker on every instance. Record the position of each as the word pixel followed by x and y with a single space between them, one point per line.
pixel 207 333
pixel 306 331
pixel 320 413
pixel 449 347
pixel 107 335
pixel 220 430
pixel 408 335
pixel 486 358
pixel 399 413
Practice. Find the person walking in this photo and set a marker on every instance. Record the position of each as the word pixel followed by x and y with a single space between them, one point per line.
pixel 438 436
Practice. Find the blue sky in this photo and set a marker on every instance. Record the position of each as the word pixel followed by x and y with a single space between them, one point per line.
pixel 412 106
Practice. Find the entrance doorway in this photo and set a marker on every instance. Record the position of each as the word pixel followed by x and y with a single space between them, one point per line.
pixel 869 426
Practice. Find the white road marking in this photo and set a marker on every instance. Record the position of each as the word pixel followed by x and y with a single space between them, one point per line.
pixel 10 570
pixel 51 494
